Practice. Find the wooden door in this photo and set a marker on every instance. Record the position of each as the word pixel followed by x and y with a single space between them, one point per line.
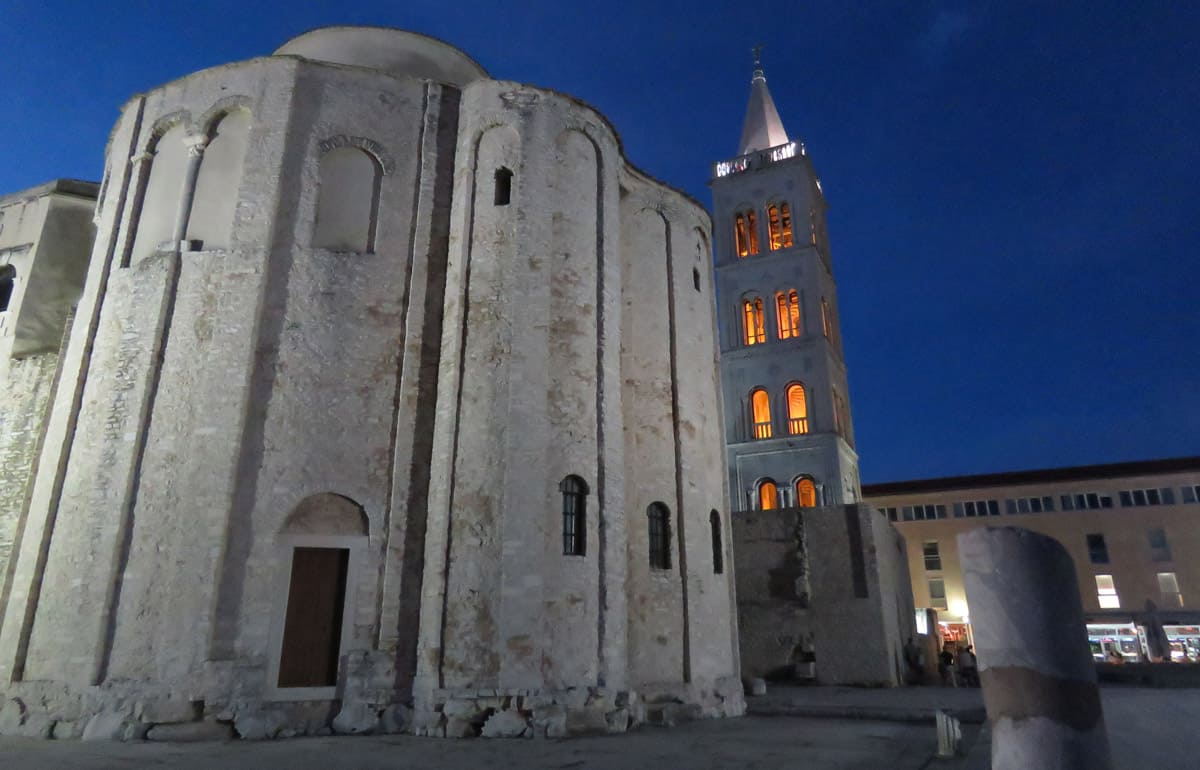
pixel 312 629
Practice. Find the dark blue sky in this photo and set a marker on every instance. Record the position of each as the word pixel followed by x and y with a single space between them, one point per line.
pixel 1013 185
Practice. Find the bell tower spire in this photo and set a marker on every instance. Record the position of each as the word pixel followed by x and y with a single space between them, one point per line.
pixel 762 127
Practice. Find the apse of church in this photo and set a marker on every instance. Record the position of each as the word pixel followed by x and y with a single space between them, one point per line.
pixel 380 403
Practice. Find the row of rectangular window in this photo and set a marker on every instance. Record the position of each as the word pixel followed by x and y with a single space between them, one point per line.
pixel 1106 592
pixel 1082 501
pixel 1156 540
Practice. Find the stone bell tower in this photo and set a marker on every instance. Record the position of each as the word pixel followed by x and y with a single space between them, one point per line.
pixel 788 432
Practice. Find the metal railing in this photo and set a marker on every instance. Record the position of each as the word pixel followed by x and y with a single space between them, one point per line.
pixel 762 430
pixel 757 159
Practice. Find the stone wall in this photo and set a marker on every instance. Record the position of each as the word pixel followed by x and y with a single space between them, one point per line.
pixel 822 585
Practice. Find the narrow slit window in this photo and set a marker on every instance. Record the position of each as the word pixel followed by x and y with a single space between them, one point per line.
pixel 658 520
pixel 696 278
pixel 825 317
pixel 718 554
pixel 760 411
pixel 8 279
pixel 574 516
pixel 774 231
pixel 503 192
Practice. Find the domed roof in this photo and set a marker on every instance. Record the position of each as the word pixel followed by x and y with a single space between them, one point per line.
pixel 391 50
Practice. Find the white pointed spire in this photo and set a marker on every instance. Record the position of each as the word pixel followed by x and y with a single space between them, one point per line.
pixel 762 127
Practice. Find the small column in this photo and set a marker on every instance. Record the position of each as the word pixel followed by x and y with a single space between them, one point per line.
pixel 1035 666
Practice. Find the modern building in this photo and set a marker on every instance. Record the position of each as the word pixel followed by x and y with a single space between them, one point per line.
pixel 822 582
pixel 1130 527
pixel 390 387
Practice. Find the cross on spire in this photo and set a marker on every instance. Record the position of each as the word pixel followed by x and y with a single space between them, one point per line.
pixel 758 70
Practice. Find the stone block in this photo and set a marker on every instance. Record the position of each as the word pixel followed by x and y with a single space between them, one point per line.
pixel 460 728
pixel 550 721
pixel 756 686
pixel 356 719
pixel 135 731
pixel 256 725
pixel 12 716
pixel 191 732
pixel 505 724
pixel 461 708
pixel 105 726
pixel 395 719
pixel 161 711
pixel 618 720
pixel 586 721
pixel 67 729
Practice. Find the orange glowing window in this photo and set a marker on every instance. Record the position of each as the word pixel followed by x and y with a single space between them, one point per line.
pixel 806 493
pixel 787 312
pixel 797 406
pixel 779 226
pixel 825 317
pixel 768 495
pixel 753 323
pixel 745 234
pixel 760 410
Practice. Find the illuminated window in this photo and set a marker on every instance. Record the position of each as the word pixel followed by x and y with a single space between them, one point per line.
pixel 760 410
pixel 825 317
pixel 1097 549
pixel 768 495
pixel 753 322
pixel 797 406
pixel 933 556
pixel 937 594
pixel 1168 586
pixel 806 493
pixel 787 314
pixel 714 524
pixel 8 278
pixel 779 226
pixel 1106 592
pixel 574 506
pixel 503 192
pixel 659 522
pixel 746 234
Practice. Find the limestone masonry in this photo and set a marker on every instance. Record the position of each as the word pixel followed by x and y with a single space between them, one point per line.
pixel 390 402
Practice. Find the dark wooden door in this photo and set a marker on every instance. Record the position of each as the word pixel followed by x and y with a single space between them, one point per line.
pixel 312 629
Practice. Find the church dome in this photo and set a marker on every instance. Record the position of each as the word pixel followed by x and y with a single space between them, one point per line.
pixel 391 50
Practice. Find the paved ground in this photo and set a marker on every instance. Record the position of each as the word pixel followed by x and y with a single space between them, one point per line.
pixel 1148 728
pixel 752 742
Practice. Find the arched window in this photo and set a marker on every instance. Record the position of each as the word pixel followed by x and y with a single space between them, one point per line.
pixel 806 492
pixel 8 278
pixel 157 201
pixel 503 187
pixel 779 226
pixel 760 411
pixel 797 406
pixel 658 519
pixel 768 495
pixel 714 524
pixel 825 317
pixel 787 314
pixel 574 516
pixel 745 230
pixel 347 201
pixel 753 323
pixel 217 182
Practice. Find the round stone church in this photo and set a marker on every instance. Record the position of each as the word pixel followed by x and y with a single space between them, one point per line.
pixel 390 403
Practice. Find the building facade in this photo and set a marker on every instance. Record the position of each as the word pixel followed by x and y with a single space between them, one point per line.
pixel 1130 528
pixel 822 581
pixel 788 430
pixel 391 386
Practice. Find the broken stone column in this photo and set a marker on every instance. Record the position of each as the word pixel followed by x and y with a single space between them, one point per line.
pixel 1035 666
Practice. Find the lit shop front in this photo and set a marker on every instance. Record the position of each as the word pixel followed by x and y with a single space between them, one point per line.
pixel 1128 640
pixel 1185 643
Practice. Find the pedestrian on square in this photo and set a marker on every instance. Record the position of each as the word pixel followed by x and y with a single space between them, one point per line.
pixel 946 667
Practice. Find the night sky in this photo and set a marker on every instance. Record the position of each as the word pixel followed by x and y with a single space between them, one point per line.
pixel 1014 212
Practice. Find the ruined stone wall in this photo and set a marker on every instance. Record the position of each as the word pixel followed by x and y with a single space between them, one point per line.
pixel 818 581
